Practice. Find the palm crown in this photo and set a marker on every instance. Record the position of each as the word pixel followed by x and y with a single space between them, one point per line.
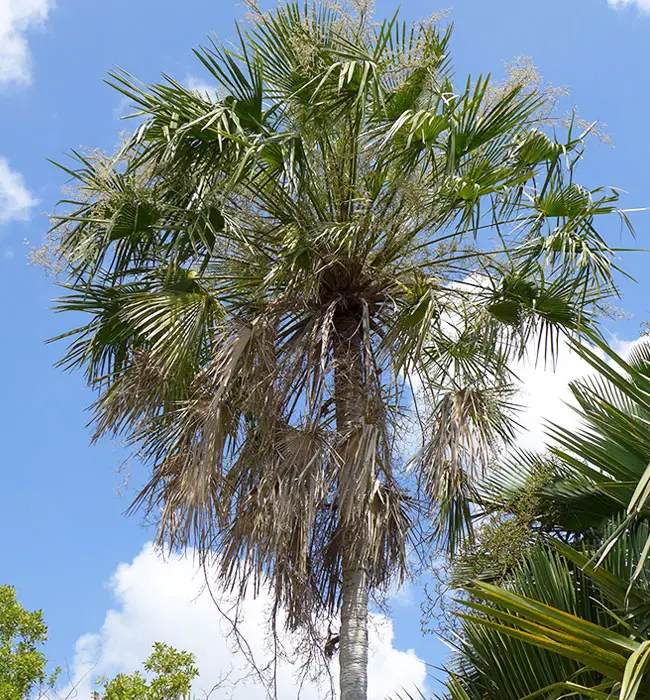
pixel 269 267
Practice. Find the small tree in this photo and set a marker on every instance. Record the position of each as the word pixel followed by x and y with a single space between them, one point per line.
pixel 22 664
pixel 170 671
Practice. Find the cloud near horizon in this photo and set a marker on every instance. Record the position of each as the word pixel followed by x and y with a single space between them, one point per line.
pixel 544 393
pixel 159 600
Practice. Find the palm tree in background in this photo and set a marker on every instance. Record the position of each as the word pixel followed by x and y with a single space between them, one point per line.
pixel 266 270
pixel 587 551
pixel 558 626
pixel 593 470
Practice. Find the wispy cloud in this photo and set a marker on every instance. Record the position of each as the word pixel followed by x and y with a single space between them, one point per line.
pixel 641 5
pixel 201 86
pixel 17 18
pixel 16 201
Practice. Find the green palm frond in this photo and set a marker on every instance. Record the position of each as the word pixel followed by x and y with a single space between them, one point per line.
pixel 619 658
pixel 599 465
pixel 491 663
pixel 584 594
pixel 556 622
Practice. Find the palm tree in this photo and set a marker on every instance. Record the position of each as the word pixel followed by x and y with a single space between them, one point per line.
pixel 558 627
pixel 589 562
pixel 269 268
pixel 594 470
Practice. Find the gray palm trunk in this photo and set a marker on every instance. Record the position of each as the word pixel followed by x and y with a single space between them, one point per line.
pixel 353 657
pixel 354 485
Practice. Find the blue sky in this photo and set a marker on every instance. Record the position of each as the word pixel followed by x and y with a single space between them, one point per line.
pixel 61 520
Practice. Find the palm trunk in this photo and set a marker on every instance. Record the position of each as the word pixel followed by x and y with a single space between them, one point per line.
pixel 350 412
pixel 353 656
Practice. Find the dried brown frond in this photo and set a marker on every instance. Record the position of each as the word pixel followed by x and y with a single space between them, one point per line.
pixel 466 426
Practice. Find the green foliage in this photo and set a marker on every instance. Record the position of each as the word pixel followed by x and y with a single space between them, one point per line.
pixel 587 627
pixel 505 536
pixel 590 516
pixel 169 676
pixel 491 664
pixel 22 663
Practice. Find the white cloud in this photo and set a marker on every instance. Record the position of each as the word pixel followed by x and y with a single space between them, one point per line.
pixel 17 17
pixel 165 601
pixel 16 201
pixel 123 108
pixel 545 395
pixel 401 595
pixel 625 347
pixel 641 5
